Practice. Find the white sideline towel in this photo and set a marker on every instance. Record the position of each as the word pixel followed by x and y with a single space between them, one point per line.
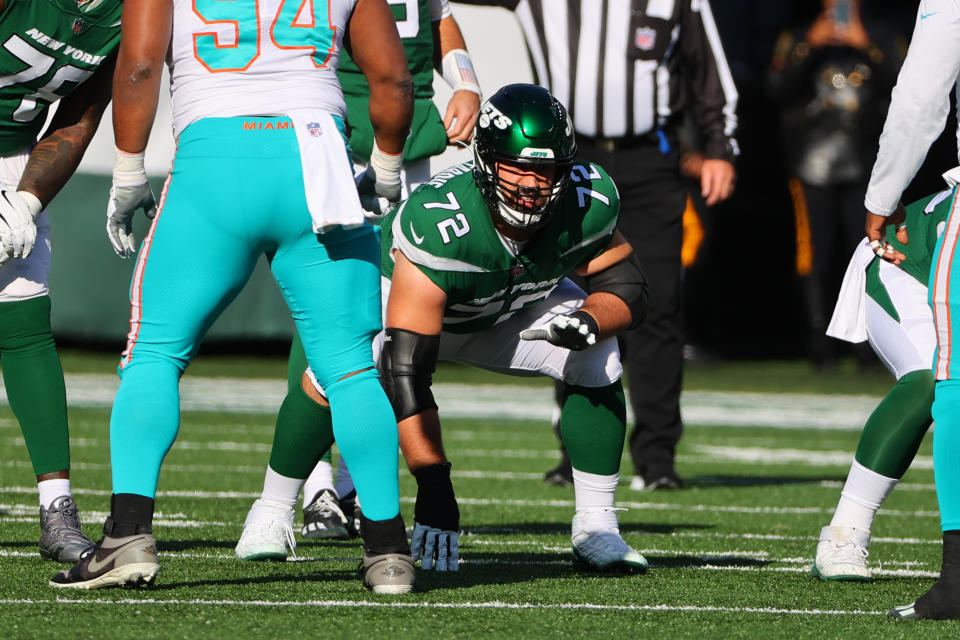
pixel 849 315
pixel 327 176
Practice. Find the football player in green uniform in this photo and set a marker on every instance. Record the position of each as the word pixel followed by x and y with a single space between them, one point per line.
pixel 886 304
pixel 475 265
pixel 52 50
pixel 432 40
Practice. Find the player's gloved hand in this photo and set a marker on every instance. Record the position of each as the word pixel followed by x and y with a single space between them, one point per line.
pixel 18 229
pixel 379 186
pixel 436 548
pixel 575 331
pixel 436 526
pixel 130 191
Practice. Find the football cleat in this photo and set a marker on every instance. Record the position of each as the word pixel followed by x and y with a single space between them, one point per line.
pixel 323 518
pixel 598 545
pixel 842 555
pixel 113 562
pixel 350 508
pixel 904 612
pixel 560 476
pixel 61 538
pixel 655 482
pixel 940 602
pixel 388 573
pixel 267 532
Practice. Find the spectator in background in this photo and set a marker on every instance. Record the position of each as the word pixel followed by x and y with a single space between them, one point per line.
pixel 832 78
pixel 625 111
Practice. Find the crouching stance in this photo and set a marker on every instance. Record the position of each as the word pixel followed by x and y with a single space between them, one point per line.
pixel 475 267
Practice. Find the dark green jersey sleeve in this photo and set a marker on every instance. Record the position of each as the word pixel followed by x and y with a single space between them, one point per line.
pixel 49 48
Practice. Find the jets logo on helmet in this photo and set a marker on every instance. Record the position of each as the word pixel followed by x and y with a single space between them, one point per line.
pixel 525 128
pixel 489 114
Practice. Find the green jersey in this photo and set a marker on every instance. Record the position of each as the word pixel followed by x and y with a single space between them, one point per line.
pixel 427 134
pixel 49 48
pixel 445 228
pixel 925 220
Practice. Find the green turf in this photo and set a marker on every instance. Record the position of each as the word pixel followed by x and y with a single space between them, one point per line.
pixel 729 555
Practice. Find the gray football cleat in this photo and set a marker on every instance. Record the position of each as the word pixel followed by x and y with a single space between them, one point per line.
pixel 113 562
pixel 388 573
pixel 323 518
pixel 61 538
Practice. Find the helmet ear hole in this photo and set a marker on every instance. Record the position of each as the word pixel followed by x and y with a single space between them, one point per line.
pixel 522 124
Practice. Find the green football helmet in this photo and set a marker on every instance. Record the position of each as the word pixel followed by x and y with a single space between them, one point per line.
pixel 522 124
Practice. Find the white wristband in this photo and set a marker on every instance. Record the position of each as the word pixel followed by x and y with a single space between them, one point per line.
pixel 458 71
pixel 128 169
pixel 386 166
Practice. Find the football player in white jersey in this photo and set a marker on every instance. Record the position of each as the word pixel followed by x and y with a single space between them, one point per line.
pixel 918 112
pixel 261 168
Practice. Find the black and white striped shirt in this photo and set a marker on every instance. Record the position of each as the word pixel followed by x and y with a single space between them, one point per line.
pixel 629 67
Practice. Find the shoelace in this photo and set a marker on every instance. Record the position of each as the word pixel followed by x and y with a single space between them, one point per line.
pixel 326 502
pixel 840 549
pixel 287 531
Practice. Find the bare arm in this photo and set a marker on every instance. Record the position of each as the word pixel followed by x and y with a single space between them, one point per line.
pixel 416 304
pixel 376 48
pixel 59 152
pixel 147 25
pixel 611 313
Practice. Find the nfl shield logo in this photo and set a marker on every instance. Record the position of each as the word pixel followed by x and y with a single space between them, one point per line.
pixel 313 128
pixel 645 38
pixel 516 269
pixel 77 26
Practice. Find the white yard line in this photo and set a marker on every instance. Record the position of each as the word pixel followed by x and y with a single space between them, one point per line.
pixel 708 408
pixel 573 606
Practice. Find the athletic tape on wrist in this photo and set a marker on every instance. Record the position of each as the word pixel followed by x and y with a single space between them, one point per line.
pixel 458 71
pixel 128 169
pixel 386 166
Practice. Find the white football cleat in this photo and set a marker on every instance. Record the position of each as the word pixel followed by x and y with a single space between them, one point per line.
pixel 842 555
pixel 603 549
pixel 267 532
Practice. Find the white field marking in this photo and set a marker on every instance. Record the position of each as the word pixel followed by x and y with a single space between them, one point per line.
pixel 901 486
pixel 443 605
pixel 566 504
pixel 808 457
pixel 706 408
pixel 186 445
pixel 174 468
pixel 465 474
pixel 651 555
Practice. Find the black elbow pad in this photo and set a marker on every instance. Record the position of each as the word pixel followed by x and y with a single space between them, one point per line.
pixel 406 367
pixel 627 281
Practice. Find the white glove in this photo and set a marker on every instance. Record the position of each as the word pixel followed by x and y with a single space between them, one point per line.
pixel 18 229
pixel 576 331
pixel 436 548
pixel 379 185
pixel 130 191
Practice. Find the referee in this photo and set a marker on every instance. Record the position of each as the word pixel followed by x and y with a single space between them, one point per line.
pixel 629 72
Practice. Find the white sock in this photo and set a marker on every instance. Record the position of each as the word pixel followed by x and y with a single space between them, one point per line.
pixel 280 488
pixel 50 490
pixel 344 481
pixel 320 478
pixel 593 497
pixel 862 495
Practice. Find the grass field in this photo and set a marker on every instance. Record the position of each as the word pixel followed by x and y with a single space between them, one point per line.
pixel 729 555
